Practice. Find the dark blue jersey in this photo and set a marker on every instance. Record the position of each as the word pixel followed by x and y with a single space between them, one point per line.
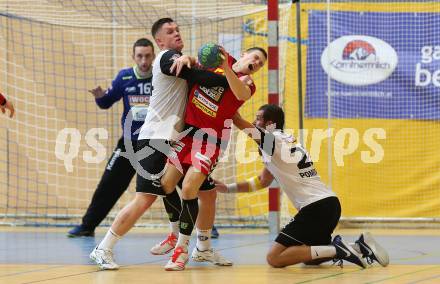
pixel 135 92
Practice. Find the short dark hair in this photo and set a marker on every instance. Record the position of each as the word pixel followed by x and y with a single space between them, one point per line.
pixel 143 42
pixel 158 24
pixel 259 49
pixel 273 113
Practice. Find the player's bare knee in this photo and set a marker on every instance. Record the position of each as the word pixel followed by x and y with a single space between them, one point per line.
pixel 188 192
pixel 144 201
pixel 273 260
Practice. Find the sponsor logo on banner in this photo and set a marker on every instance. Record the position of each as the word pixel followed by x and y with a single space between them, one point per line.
pixel 368 78
pixel 359 60
pixel 428 67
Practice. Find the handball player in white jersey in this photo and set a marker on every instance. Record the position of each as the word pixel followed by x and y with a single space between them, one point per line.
pixel 307 237
pixel 162 124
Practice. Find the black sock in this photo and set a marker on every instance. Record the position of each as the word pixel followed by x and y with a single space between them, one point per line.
pixel 188 216
pixel 173 205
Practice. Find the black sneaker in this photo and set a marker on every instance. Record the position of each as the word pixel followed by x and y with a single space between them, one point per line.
pixel 372 250
pixel 214 233
pixel 346 252
pixel 80 231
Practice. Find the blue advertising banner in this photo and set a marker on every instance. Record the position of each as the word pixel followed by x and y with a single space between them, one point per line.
pixel 377 65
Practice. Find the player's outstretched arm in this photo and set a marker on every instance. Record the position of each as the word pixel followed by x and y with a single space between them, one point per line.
pixel 6 105
pixel 192 75
pixel 250 185
pixel 264 139
pixel 246 127
pixel 102 100
pixel 105 99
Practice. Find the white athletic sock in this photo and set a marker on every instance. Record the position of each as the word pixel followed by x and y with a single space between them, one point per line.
pixel 203 239
pixel 109 240
pixel 322 251
pixel 183 241
pixel 174 226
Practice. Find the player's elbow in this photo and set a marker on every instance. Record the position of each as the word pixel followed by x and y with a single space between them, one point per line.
pixel 102 105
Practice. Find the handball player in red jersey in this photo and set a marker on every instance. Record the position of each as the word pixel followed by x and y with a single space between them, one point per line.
pixel 208 120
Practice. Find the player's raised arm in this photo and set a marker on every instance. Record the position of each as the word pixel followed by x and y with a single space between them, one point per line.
pixel 241 89
pixel 6 105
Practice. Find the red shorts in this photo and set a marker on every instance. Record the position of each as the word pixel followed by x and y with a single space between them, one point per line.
pixel 200 154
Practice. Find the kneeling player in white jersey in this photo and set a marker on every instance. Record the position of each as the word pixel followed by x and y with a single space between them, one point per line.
pixel 307 237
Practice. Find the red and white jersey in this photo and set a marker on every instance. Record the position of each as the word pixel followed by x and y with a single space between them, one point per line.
pixel 212 109
pixel 292 167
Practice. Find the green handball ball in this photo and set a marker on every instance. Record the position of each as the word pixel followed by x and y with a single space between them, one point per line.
pixel 209 55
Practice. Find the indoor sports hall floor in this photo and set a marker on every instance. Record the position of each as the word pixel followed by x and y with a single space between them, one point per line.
pixel 42 255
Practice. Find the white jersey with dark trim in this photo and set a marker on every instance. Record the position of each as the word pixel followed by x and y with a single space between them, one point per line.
pixel 292 167
pixel 164 119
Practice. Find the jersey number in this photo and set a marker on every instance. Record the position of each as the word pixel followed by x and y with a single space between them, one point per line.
pixel 305 161
pixel 144 88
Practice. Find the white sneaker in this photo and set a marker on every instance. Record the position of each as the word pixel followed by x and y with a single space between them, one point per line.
pixel 372 250
pixel 104 259
pixel 345 252
pixel 164 246
pixel 210 255
pixel 178 260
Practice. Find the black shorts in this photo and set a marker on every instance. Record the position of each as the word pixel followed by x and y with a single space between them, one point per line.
pixel 313 225
pixel 152 157
pixel 208 184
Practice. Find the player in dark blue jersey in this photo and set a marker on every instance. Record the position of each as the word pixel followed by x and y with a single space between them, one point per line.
pixel 133 86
